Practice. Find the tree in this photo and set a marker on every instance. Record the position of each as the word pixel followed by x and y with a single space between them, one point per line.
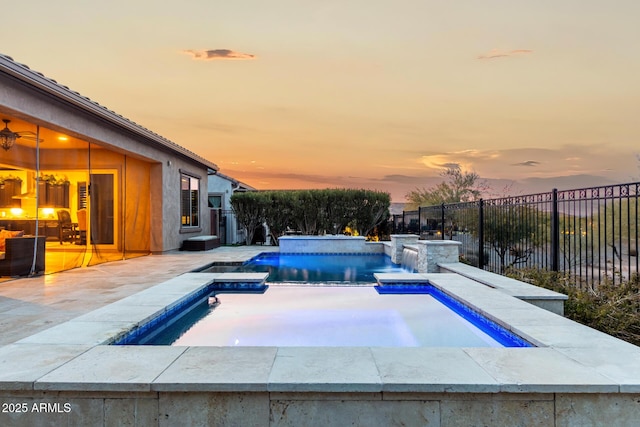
pixel 250 211
pixel 278 210
pixel 338 210
pixel 372 209
pixel 458 186
pixel 308 211
pixel 512 232
pixel 311 211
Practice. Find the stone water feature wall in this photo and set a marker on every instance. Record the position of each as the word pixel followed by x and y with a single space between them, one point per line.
pixel 430 252
pixel 397 245
pixel 434 252
pixel 337 244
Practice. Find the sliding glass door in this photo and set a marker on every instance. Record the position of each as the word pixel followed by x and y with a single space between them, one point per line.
pixel 80 203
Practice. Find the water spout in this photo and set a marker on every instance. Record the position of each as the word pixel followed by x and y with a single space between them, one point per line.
pixel 409 260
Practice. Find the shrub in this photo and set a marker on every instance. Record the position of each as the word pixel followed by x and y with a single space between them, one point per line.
pixel 313 211
pixel 612 309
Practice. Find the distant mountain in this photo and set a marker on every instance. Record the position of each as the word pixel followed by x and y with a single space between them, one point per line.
pixel 396 208
pixel 542 185
pixel 398 188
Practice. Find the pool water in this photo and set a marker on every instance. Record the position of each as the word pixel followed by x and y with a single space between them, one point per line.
pixel 290 315
pixel 314 268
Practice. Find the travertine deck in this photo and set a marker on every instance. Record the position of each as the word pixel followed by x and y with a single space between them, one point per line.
pixel 29 305
pixel 577 376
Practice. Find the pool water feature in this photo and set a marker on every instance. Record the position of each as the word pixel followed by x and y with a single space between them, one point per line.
pixel 296 315
pixel 409 259
pixel 316 268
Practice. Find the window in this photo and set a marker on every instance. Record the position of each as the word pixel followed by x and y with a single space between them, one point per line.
pixel 215 201
pixel 189 201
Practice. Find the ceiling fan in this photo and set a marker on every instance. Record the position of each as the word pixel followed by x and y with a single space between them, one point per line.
pixel 8 137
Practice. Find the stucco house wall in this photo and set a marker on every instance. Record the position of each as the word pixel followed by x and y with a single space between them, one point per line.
pixel 28 96
pixel 226 186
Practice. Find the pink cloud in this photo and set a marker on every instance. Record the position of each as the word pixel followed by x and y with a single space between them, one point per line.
pixel 218 54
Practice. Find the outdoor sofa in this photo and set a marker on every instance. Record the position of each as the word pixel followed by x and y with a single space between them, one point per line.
pixel 17 257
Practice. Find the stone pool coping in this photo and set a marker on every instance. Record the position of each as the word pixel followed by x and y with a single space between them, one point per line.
pixel 505 284
pixel 541 297
pixel 72 356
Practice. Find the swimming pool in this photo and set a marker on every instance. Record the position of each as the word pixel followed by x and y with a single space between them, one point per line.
pixel 315 268
pixel 296 315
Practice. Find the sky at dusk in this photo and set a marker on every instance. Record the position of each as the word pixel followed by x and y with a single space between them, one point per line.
pixel 367 94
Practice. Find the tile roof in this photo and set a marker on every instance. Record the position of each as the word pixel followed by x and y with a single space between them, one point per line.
pixel 241 185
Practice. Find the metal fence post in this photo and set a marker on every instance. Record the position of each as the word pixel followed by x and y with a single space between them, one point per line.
pixel 442 217
pixel 403 226
pixel 555 232
pixel 481 234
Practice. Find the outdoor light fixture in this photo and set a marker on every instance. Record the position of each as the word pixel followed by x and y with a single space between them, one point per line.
pixel 7 138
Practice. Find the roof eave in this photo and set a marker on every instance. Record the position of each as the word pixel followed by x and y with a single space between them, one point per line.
pixel 50 86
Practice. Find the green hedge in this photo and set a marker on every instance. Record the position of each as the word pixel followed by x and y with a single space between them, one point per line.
pixel 311 212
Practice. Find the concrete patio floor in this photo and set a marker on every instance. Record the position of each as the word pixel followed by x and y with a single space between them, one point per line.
pixel 32 304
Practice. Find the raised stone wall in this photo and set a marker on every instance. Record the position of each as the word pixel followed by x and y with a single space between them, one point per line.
pixel 397 245
pixel 205 408
pixel 540 297
pixel 328 244
pixel 386 248
pixel 433 252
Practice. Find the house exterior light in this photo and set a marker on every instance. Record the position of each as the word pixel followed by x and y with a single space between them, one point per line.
pixel 7 138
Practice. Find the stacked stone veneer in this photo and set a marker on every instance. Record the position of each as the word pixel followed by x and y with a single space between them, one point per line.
pixel 433 252
pixel 430 252
pixel 328 244
pixel 397 245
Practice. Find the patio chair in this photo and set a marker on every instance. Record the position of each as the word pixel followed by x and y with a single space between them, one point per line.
pixel 67 230
pixel 82 227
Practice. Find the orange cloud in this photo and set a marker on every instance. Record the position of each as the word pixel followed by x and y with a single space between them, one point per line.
pixel 463 159
pixel 497 53
pixel 218 54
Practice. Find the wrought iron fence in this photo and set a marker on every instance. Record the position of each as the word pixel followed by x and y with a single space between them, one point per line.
pixel 408 222
pixel 590 233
